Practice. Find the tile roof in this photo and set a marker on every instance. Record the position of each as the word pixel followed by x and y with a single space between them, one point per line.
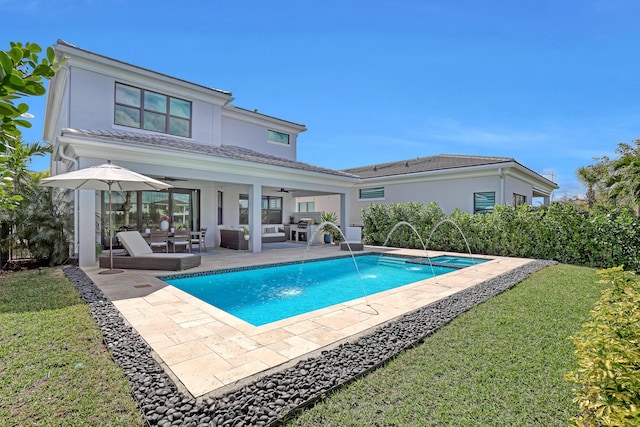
pixel 425 164
pixel 223 151
pixel 69 45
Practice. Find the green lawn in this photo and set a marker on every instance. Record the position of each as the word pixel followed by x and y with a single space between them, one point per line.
pixel 54 368
pixel 500 364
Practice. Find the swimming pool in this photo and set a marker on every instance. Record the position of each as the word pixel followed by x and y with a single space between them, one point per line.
pixel 263 295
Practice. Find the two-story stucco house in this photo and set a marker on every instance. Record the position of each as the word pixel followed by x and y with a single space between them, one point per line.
pixel 228 165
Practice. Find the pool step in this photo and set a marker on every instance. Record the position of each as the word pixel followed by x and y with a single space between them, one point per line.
pixel 392 261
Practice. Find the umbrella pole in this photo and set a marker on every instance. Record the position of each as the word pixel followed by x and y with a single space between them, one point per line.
pixel 111 270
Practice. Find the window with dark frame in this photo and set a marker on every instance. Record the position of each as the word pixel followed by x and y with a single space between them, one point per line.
pixel 139 210
pixel 271 209
pixel 220 198
pixel 519 199
pixel 144 109
pixel 244 209
pixel 484 202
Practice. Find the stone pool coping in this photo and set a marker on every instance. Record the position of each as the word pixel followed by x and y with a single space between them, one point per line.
pixel 269 398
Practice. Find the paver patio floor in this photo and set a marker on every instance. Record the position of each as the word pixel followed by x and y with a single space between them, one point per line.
pixel 208 351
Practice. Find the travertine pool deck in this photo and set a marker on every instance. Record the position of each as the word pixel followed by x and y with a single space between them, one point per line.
pixel 208 351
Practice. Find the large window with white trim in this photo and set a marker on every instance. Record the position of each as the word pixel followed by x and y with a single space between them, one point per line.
pixel 145 109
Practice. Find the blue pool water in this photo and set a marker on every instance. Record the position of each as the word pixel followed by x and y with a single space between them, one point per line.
pixel 264 295
pixel 458 261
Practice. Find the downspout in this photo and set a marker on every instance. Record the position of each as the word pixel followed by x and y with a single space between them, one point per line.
pixel 501 175
pixel 76 214
pixel 64 156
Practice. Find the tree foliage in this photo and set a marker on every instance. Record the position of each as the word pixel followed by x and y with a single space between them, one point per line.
pixel 40 227
pixel 22 74
pixel 614 182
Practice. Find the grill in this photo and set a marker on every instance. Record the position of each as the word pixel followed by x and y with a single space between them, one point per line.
pixel 303 223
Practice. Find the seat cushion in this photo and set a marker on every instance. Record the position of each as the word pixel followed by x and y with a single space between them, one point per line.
pixel 134 243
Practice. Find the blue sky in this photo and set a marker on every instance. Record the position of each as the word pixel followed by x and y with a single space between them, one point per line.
pixel 550 83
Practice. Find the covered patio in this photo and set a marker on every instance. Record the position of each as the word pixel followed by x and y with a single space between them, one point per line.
pixel 212 186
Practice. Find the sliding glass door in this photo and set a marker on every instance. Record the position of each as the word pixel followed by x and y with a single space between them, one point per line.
pixel 141 210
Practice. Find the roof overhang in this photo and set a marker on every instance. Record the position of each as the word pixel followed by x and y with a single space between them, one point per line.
pixel 120 70
pixel 196 166
pixel 540 184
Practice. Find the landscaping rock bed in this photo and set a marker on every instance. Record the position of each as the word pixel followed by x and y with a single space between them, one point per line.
pixel 269 399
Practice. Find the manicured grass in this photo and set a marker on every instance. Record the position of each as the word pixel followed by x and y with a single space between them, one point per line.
pixel 500 364
pixel 54 367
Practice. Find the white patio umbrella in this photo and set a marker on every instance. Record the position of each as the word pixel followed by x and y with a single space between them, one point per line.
pixel 106 177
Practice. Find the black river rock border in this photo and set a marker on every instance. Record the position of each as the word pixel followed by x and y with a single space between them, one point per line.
pixel 269 399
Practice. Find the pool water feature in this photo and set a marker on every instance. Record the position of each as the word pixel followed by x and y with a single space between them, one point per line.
pixel 263 295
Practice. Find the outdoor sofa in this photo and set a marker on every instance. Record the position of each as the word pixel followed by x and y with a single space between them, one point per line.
pixel 353 240
pixel 141 257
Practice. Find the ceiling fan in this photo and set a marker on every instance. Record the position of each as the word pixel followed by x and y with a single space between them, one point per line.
pixel 170 179
pixel 282 190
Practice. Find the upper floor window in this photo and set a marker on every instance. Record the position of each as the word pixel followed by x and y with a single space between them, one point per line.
pixel 484 202
pixel 371 193
pixel 519 199
pixel 280 137
pixel 144 109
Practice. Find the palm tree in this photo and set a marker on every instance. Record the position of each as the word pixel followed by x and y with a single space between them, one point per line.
pixel 624 182
pixel 41 223
pixel 589 178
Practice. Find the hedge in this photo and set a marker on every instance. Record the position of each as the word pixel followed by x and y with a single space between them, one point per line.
pixel 564 233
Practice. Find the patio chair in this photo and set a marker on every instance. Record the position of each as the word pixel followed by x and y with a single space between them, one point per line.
pixel 159 239
pixel 181 238
pixel 198 238
pixel 142 257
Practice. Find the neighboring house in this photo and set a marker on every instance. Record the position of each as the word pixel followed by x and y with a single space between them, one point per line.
pixel 473 184
pixel 228 165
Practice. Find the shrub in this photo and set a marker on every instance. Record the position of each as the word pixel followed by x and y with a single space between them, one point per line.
pixel 564 233
pixel 608 351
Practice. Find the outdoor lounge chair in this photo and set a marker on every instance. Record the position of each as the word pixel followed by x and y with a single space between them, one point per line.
pixel 353 239
pixel 141 256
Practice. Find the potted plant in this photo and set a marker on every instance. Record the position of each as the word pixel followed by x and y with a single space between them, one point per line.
pixel 337 236
pixel 245 230
pixel 328 220
pixel 292 219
